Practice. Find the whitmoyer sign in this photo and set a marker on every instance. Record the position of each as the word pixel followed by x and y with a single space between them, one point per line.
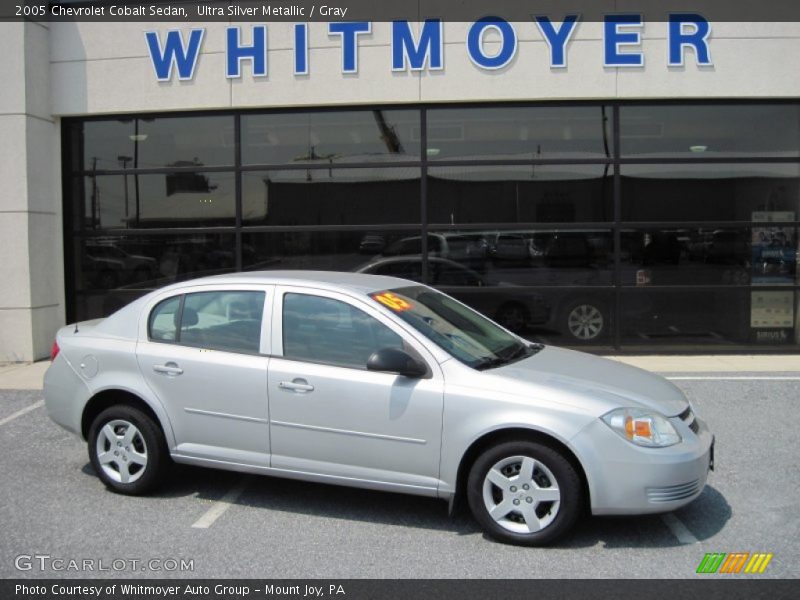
pixel 491 44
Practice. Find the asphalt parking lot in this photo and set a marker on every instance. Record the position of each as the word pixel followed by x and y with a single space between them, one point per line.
pixel 230 525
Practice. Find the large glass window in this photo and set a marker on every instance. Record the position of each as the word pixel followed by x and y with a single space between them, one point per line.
pixel 181 199
pixel 763 254
pixel 520 194
pixel 331 138
pixel 331 196
pixel 682 235
pixel 516 257
pixel 355 251
pixel 145 143
pixel 710 131
pixel 710 192
pixel 146 262
pixel 539 132
pixel 687 318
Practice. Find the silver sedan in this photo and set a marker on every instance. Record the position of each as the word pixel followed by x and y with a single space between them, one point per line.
pixel 373 382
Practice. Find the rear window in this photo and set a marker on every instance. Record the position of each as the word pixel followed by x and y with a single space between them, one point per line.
pixel 226 320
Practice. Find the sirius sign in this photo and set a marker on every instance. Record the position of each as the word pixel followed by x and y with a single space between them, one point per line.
pixel 687 34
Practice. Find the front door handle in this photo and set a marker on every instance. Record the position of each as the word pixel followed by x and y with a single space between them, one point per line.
pixel 296 385
pixel 170 368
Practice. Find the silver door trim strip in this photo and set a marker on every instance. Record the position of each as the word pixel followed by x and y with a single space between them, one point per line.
pixel 379 436
pixel 209 413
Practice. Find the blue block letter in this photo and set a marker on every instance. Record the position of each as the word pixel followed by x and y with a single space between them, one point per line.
pixel 257 53
pixel 174 52
pixel 301 49
pixel 614 38
pixel 697 38
pixel 349 33
pixel 557 39
pixel 508 47
pixel 405 52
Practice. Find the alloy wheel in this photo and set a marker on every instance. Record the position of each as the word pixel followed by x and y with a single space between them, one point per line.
pixel 585 322
pixel 121 451
pixel 521 494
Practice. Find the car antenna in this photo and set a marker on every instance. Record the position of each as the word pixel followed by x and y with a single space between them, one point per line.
pixel 76 327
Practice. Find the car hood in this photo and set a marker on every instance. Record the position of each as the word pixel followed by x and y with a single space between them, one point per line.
pixel 607 383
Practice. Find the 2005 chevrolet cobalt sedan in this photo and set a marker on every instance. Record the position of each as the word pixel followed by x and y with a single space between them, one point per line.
pixel 373 382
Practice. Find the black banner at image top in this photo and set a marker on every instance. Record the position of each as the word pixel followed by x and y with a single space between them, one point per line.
pixel 189 11
pixel 380 589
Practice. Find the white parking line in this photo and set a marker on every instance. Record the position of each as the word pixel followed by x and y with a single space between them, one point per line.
pixel 21 412
pixel 733 378
pixel 221 505
pixel 678 529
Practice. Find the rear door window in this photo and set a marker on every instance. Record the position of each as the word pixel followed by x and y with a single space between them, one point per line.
pixel 226 320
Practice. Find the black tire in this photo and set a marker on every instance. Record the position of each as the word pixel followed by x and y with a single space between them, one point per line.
pixel 567 509
pixel 149 442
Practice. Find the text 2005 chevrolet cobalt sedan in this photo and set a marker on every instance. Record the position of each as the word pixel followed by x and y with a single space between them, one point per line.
pixel 373 382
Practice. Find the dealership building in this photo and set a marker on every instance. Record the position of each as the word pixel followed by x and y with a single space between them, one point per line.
pixel 615 186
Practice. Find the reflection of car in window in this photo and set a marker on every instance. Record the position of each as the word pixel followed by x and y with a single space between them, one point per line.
pixel 125 266
pixel 413 245
pixel 511 246
pixel 509 305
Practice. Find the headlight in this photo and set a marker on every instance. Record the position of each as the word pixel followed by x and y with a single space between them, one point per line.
pixel 642 427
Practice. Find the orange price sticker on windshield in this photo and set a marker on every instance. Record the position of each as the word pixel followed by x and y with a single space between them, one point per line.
pixel 392 301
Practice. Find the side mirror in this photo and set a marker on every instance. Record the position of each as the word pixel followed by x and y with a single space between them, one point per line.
pixel 394 360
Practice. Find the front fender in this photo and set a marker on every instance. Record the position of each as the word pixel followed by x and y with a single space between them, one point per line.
pixel 466 425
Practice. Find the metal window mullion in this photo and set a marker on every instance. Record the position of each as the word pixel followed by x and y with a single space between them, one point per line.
pixel 423 192
pixel 237 185
pixel 617 234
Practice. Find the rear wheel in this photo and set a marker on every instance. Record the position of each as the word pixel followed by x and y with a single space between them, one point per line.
pixel 524 493
pixel 127 450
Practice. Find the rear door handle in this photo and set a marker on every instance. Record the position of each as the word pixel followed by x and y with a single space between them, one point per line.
pixel 169 368
pixel 296 385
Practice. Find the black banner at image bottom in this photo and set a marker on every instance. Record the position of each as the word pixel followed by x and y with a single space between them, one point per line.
pixel 378 589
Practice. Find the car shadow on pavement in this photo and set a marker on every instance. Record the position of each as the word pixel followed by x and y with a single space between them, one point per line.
pixel 704 517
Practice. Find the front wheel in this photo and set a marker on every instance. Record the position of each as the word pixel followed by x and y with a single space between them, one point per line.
pixel 524 493
pixel 127 450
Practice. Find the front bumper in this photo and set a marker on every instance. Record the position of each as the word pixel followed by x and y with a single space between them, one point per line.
pixel 626 479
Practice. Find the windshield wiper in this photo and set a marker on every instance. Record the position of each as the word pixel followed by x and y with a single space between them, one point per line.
pixel 489 363
pixel 520 352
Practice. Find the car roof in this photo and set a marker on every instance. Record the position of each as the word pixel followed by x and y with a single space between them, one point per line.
pixel 334 280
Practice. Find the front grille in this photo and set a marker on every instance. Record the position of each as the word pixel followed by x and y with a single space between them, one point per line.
pixel 685 414
pixel 673 492
pixel 694 426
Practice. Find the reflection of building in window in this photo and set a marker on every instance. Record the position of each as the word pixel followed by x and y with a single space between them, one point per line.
pixel 188 182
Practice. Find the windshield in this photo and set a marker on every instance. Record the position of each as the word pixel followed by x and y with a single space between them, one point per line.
pixel 465 334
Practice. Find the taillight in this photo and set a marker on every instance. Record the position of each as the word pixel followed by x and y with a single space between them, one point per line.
pixel 54 350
